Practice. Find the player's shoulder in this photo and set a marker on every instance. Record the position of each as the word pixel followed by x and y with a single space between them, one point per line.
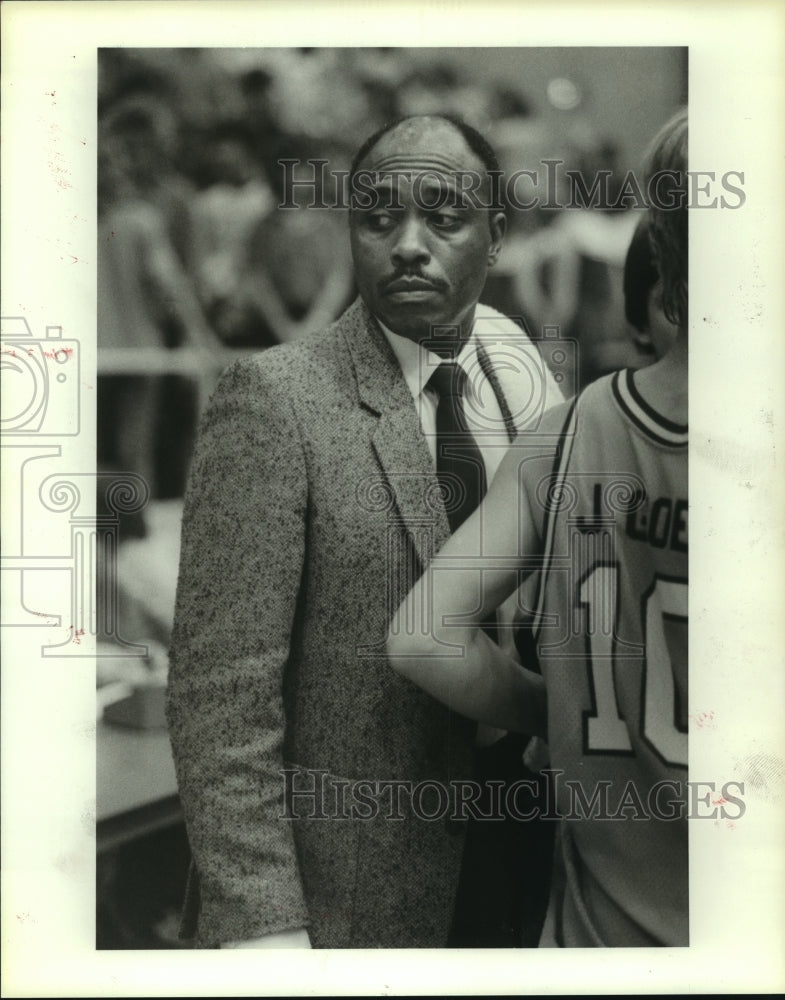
pixel 597 400
pixel 646 414
pixel 584 413
pixel 595 403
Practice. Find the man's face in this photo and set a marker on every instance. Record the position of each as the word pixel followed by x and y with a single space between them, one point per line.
pixel 421 253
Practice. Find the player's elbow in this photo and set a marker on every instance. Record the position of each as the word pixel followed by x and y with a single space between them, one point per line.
pixel 423 657
pixel 405 654
pixel 411 654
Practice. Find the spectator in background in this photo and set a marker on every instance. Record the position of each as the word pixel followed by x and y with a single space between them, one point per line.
pixel 298 273
pixel 380 72
pixel 255 85
pixel 538 272
pixel 315 98
pixel 226 213
pixel 562 266
pixel 145 300
pixel 441 88
pixel 144 136
pixel 509 102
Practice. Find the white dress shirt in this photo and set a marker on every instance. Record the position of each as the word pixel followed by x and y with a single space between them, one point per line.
pixel 481 407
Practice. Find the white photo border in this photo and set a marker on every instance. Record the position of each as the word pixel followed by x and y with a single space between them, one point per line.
pixel 737 360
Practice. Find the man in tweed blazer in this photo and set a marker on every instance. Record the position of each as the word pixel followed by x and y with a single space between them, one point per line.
pixel 312 507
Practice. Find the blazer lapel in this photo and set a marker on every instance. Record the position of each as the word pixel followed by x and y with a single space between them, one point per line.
pixel 490 373
pixel 401 448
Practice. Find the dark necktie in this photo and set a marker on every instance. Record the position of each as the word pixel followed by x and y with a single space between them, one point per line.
pixel 459 465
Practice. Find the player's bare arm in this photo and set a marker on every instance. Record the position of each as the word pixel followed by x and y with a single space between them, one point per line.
pixel 436 637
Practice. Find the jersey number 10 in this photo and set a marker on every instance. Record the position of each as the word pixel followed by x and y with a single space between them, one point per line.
pixel 606 730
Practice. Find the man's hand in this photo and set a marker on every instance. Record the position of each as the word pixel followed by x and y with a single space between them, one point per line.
pixel 282 939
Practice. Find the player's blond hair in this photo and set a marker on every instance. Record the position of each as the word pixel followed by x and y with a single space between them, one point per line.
pixel 667 156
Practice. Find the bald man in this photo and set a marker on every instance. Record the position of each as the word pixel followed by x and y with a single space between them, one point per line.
pixel 321 791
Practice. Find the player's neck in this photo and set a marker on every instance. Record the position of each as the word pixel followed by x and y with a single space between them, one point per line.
pixel 664 384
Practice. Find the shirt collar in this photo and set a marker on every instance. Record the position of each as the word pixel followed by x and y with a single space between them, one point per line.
pixel 417 363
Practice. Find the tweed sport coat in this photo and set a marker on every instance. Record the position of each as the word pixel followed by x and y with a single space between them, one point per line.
pixel 311 509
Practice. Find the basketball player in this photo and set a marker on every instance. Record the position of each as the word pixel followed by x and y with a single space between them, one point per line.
pixel 596 499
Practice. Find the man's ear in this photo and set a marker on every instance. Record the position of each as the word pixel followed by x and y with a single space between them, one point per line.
pixel 498 224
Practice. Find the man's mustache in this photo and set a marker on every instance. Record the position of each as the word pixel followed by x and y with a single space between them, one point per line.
pixel 408 281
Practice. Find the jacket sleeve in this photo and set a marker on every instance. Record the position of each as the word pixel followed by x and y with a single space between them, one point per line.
pixel 240 568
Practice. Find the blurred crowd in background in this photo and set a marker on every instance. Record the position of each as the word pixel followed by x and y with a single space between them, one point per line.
pixel 194 252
